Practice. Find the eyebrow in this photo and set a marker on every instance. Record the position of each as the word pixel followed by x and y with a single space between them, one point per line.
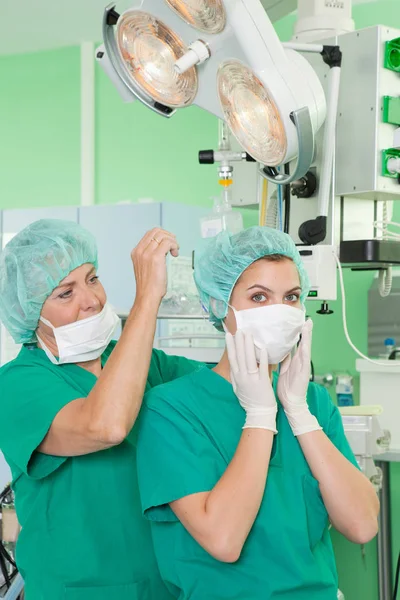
pixel 262 287
pixel 72 283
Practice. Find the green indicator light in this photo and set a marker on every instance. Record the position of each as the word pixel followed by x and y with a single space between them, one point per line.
pixel 391 110
pixel 392 55
pixel 386 156
pixel 313 294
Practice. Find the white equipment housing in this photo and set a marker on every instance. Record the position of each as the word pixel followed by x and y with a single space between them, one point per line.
pixel 320 265
pixel 382 383
pixel 366 439
pixel 317 19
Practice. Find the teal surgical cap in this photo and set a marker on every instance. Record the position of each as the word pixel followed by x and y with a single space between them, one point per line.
pixel 221 260
pixel 33 264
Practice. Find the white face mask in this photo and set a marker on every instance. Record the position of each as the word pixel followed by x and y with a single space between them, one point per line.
pixel 83 340
pixel 276 327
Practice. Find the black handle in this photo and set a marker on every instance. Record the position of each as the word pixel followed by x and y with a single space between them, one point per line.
pixel 394 353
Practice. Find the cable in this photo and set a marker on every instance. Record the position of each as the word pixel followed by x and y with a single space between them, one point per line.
pixel 287 195
pixel 396 581
pixel 272 213
pixel 389 235
pixel 382 224
pixel 6 556
pixel 379 225
pixel 5 492
pixel 346 332
pixel 385 281
pixel 263 202
pixel 280 207
pixel 4 571
pixel 385 275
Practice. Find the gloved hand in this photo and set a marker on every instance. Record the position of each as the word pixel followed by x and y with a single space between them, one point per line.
pixel 293 381
pixel 251 382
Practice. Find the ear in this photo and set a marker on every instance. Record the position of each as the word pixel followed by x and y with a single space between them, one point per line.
pixel 219 308
pixel 229 321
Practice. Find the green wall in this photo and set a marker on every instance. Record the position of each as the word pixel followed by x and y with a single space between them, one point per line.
pixel 40 129
pixel 141 155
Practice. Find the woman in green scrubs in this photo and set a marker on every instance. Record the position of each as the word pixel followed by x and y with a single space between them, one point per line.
pixel 68 405
pixel 250 468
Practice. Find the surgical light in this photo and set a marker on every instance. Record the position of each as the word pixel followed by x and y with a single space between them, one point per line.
pixel 149 50
pixel 206 15
pixel 251 113
pixel 237 69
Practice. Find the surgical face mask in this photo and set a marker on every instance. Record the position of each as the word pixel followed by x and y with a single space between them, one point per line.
pixel 83 340
pixel 276 327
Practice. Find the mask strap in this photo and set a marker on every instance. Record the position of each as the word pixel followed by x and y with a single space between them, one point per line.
pixel 223 320
pixel 45 349
pixel 46 322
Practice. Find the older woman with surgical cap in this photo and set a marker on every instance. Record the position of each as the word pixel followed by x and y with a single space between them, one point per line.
pixel 68 405
pixel 251 467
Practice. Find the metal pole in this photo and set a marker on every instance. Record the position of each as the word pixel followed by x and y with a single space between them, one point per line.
pixel 384 536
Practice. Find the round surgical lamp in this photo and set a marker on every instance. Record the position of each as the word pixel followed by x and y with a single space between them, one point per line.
pixel 149 50
pixel 143 51
pixel 270 96
pixel 251 113
pixel 206 15
pixel 255 113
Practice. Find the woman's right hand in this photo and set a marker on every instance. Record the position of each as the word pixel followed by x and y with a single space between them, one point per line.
pixel 251 382
pixel 149 263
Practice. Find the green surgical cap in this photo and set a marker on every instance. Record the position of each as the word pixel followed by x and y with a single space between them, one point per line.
pixel 221 260
pixel 33 264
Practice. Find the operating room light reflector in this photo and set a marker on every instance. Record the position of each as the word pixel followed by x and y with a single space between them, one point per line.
pixel 251 113
pixel 206 15
pixel 149 50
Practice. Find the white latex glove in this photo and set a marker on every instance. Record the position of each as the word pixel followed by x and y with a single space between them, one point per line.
pixel 293 381
pixel 251 382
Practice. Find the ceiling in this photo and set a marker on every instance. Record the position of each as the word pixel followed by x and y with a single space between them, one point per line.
pixel 33 25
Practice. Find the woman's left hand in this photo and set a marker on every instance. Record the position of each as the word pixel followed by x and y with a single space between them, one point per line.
pixel 294 378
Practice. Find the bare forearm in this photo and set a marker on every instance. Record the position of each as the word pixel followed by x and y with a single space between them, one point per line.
pixel 233 504
pixel 115 400
pixel 105 417
pixel 222 520
pixel 349 497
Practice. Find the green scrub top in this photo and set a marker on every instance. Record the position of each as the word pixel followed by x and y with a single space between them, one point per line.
pixel 83 535
pixel 198 422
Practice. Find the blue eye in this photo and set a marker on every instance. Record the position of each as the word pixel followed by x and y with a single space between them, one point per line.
pixel 259 298
pixel 292 298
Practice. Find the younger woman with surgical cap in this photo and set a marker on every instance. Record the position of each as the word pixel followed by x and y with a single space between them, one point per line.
pixel 249 468
pixel 68 405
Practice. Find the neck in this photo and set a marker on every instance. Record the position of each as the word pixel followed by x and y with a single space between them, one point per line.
pixel 93 366
pixel 48 340
pixel 223 368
